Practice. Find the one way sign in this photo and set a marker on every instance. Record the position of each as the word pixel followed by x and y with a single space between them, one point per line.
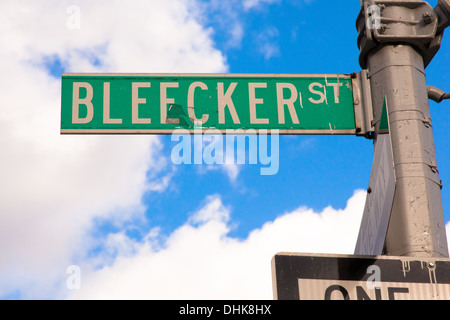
pixel 349 277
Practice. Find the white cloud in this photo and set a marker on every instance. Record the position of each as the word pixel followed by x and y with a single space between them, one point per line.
pixel 229 18
pixel 226 18
pixel 200 260
pixel 232 171
pixel 267 42
pixel 249 4
pixel 53 187
pixel 212 211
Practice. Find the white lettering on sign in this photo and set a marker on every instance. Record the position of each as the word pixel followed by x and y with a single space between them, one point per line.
pixel 191 109
pixel 165 100
pixel 107 105
pixel 314 289
pixel 288 100
pixel 225 100
pixel 321 94
pixel 336 90
pixel 253 101
pixel 77 101
pixel 136 101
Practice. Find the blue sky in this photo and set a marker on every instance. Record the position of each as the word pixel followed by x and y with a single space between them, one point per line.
pixel 345 161
pixel 117 207
pixel 282 45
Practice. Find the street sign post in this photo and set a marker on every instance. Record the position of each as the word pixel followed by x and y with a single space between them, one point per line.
pixel 397 40
pixel 162 103
pixel 352 277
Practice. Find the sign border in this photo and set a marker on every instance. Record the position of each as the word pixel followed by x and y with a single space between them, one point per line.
pixel 284 287
pixel 209 75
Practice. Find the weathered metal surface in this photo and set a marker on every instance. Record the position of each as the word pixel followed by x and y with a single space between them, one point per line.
pixel 162 103
pixel 412 22
pixel 396 54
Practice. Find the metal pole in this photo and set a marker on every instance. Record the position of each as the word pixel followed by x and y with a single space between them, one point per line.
pixel 392 53
pixel 416 226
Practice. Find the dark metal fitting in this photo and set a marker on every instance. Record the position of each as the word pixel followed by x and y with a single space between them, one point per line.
pixel 412 22
pixel 427 18
pixel 437 94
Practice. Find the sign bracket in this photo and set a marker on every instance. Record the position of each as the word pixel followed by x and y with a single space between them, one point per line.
pixel 362 101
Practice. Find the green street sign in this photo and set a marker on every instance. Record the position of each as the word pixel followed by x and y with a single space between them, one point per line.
pixel 162 103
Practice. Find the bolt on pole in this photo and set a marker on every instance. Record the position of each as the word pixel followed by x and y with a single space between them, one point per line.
pixel 397 39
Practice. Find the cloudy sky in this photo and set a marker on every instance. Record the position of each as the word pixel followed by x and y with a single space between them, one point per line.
pixel 98 216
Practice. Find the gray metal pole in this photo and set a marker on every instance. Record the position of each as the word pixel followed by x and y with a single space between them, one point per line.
pixel 394 54
pixel 416 226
